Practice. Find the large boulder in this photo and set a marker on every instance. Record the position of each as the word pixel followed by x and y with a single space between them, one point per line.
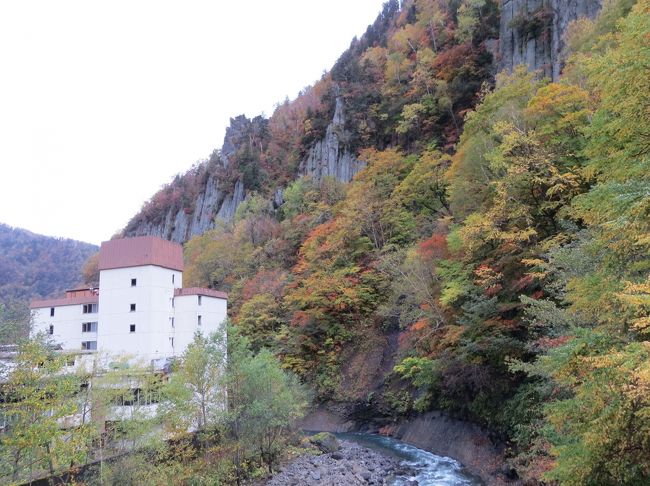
pixel 326 442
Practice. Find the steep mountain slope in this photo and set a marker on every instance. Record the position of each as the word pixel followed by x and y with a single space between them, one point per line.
pixel 190 205
pixel 214 189
pixel 320 133
pixel 489 260
pixel 358 104
pixel 35 266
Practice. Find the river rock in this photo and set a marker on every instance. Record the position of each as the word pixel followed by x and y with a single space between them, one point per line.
pixel 325 441
pixel 345 467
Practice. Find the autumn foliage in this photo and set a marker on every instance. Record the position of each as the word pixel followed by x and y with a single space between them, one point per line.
pixel 498 236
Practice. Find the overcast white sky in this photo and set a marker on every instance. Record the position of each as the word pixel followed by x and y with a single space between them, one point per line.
pixel 101 103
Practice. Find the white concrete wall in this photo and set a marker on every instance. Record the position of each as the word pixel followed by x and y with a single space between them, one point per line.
pixel 164 324
pixel 187 311
pixel 67 322
pixel 152 295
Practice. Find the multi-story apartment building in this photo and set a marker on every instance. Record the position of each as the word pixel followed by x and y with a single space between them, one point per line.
pixel 140 309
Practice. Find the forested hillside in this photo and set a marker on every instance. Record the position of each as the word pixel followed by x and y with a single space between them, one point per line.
pixel 491 256
pixel 35 266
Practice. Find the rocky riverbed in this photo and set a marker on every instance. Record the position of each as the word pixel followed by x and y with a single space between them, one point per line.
pixel 350 465
pixel 433 432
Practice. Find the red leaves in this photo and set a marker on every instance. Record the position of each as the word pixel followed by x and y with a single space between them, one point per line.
pixel 300 319
pixel 547 343
pixel 449 61
pixel 489 279
pixel 493 290
pixel 265 282
pixel 435 248
pixel 420 325
pixel 503 324
pixel 523 282
pixel 315 247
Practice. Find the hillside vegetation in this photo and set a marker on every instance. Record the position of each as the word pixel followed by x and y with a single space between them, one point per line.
pixel 35 266
pixel 147 445
pixel 405 83
pixel 501 230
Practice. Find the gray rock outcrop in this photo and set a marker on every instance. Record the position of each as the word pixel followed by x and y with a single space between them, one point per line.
pixel 211 203
pixel 331 156
pixel 327 157
pixel 532 32
pixel 179 225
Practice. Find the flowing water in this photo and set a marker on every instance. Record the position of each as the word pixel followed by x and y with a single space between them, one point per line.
pixel 422 466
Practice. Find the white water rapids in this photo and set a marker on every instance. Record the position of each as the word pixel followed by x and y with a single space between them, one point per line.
pixel 421 466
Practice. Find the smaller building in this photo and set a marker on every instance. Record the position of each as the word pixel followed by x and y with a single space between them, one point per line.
pixel 140 308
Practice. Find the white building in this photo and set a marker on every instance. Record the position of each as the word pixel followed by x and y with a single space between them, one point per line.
pixel 140 308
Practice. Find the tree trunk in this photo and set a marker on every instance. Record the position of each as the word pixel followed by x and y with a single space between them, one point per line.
pixel 50 463
pixel 433 36
pixel 411 46
pixel 453 118
pixel 16 467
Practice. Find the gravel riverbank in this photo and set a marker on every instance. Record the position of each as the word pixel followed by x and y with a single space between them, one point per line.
pixel 351 465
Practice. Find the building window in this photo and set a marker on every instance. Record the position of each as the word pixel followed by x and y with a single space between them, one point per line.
pixel 134 281
pixel 89 345
pixel 132 307
pixel 51 311
pixel 199 300
pixel 132 328
pixel 172 339
pixel 173 277
pixel 136 396
pixel 172 302
pixel 88 327
pixel 172 322
pixel 51 329
pixel 89 308
pixel 199 320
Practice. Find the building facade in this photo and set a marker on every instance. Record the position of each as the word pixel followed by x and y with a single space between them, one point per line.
pixel 140 309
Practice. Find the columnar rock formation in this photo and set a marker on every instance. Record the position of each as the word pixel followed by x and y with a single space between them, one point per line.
pixel 327 157
pixel 531 32
pixel 330 156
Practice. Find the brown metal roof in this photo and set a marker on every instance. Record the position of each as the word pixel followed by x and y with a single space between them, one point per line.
pixel 80 292
pixel 200 291
pixel 141 250
pixel 86 299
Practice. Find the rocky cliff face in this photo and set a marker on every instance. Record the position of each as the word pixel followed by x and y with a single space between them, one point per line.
pixel 531 32
pixel 211 202
pixel 327 157
pixel 330 156
pixel 179 225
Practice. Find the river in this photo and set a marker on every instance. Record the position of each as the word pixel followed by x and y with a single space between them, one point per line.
pixel 427 469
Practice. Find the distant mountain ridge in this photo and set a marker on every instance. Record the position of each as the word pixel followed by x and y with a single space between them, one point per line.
pixel 37 266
